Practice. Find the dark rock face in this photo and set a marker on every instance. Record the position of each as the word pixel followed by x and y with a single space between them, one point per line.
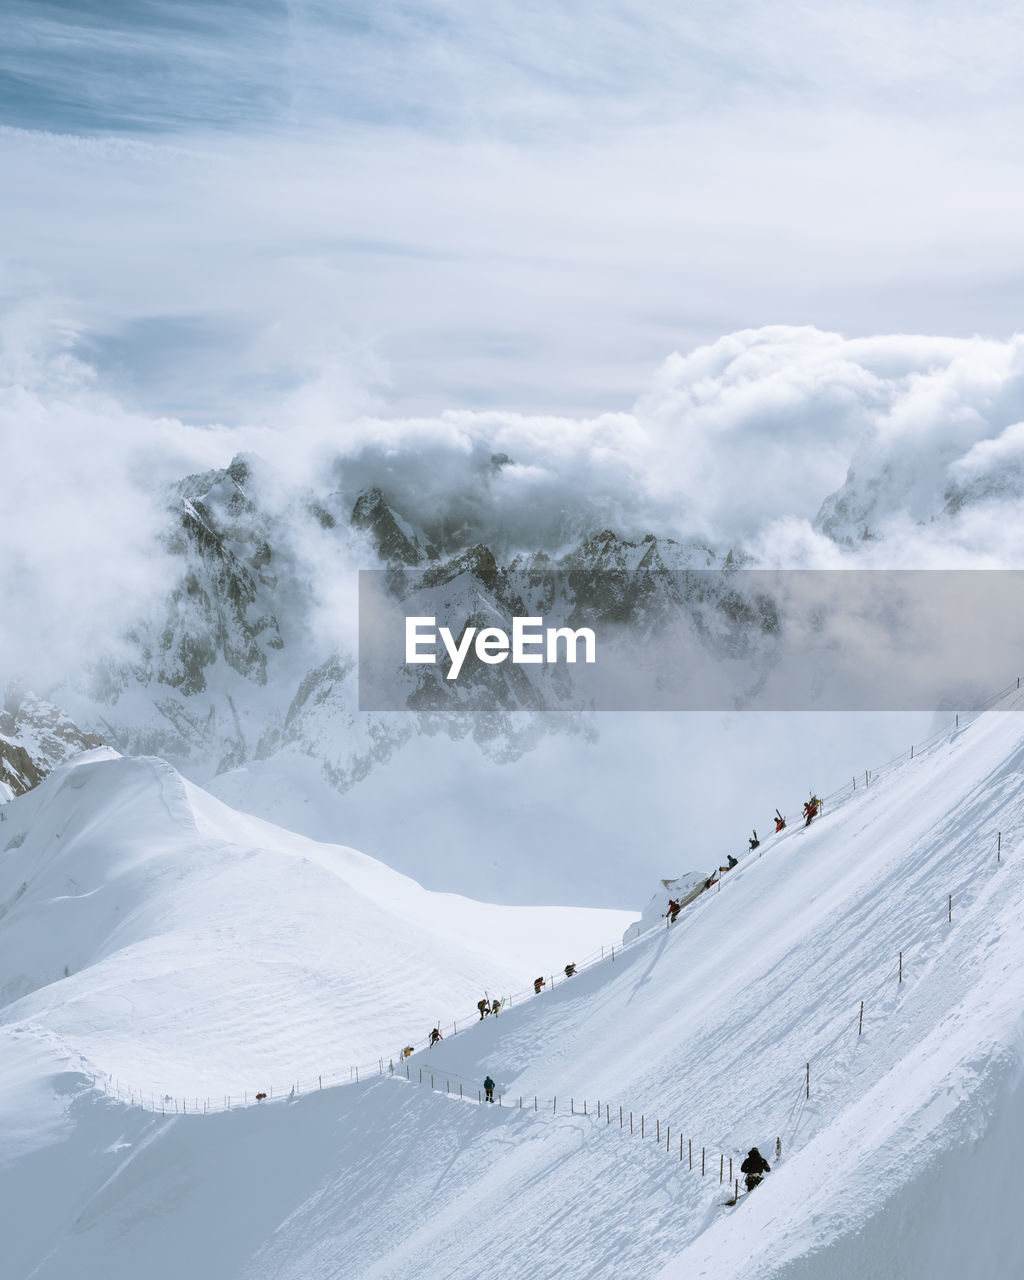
pixel 238 666
pixel 35 737
pixel 372 512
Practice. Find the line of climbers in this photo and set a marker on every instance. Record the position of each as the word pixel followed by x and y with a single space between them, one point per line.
pixel 812 807
pixel 487 1007
pixel 539 984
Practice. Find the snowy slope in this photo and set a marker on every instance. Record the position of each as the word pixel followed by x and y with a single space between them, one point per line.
pixel 186 948
pixel 899 1164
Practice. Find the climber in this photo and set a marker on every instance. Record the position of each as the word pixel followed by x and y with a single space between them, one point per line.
pixel 755 1167
pixel 811 809
pixel 435 1035
pixel 780 822
pixel 732 862
pixel 408 1051
pixel 570 969
pixel 537 984
pixel 753 840
pixel 495 1007
pixel 710 881
pixel 485 1007
pixel 488 1088
pixel 673 910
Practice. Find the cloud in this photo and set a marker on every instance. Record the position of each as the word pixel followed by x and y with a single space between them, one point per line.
pixel 803 447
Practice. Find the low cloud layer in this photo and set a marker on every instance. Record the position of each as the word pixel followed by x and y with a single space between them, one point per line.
pixel 800 447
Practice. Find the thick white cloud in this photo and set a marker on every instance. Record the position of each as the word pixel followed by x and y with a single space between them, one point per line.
pixel 918 440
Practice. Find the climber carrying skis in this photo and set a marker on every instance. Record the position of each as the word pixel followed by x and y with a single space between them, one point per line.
pixel 435 1035
pixel 570 969
pixel 755 1167
pixel 732 862
pixel 488 1088
pixel 753 840
pixel 495 1007
pixel 811 808
pixel 485 1007
pixel 538 983
pixel 673 910
pixel 780 822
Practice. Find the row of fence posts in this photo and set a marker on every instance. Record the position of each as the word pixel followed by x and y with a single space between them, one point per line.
pixel 622 1123
pixel 956 725
pixel 354 1071
pixel 807 1087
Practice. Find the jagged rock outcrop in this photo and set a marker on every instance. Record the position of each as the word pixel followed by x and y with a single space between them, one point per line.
pixel 247 659
pixel 35 737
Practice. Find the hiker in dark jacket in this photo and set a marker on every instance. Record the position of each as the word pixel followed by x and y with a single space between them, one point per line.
pixel 570 969
pixel 488 1088
pixel 755 1167
pixel 753 840
pixel 538 983
pixel 495 1007
pixel 485 1007
pixel 435 1035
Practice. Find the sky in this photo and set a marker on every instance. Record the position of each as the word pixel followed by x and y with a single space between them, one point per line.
pixel 694 268
pixel 426 206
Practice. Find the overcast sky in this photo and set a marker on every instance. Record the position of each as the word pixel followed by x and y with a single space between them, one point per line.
pixel 420 206
pixel 418 231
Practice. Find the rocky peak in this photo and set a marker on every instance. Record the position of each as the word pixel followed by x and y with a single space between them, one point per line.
pixel 395 540
pixel 35 737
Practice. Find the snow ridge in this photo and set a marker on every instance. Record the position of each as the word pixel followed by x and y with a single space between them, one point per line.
pixel 705 1026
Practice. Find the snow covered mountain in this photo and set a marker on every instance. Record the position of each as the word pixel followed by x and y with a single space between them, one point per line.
pixel 124 886
pixel 246 677
pixel 248 661
pixel 35 737
pixel 899 1120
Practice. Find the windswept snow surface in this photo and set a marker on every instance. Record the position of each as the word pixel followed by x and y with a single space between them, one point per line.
pixel 903 1161
pixel 184 948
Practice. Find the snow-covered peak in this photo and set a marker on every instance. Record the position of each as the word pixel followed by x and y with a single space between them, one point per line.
pixel 35 736
pixel 123 885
